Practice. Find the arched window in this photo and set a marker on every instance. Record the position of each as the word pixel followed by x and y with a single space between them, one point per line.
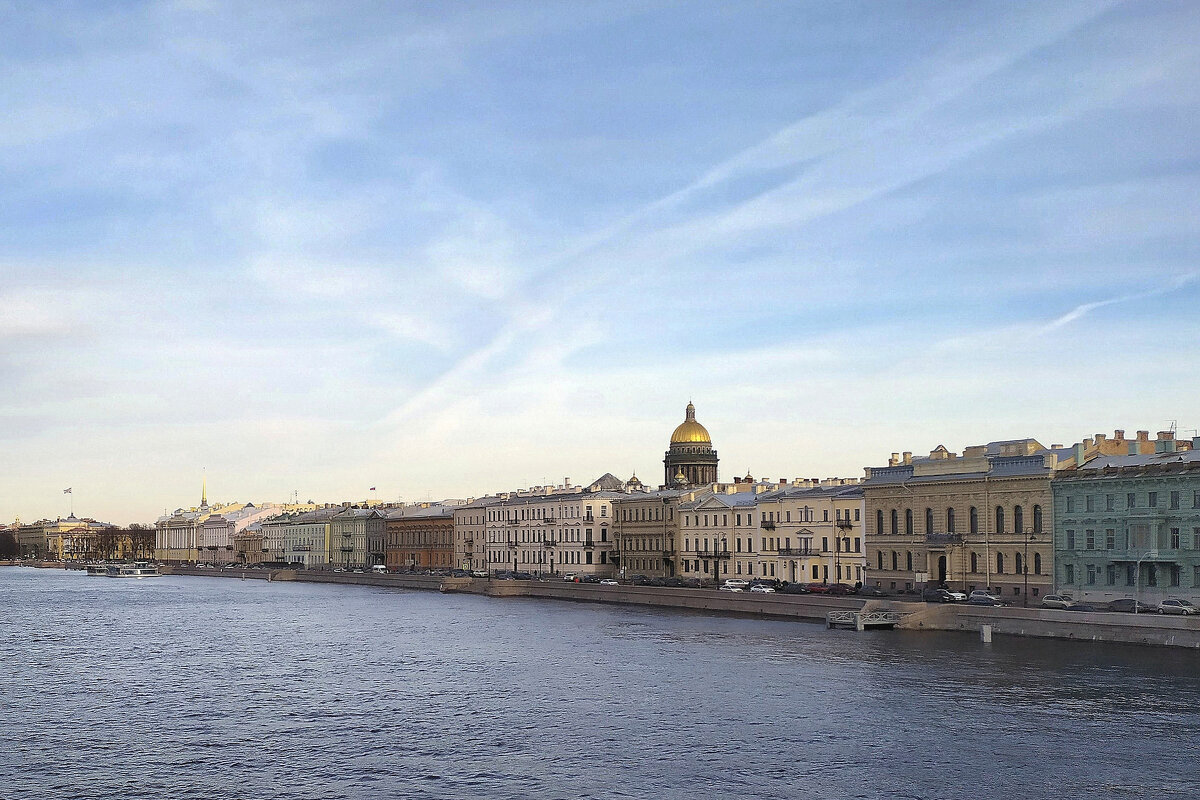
pixel 1037 519
pixel 895 523
pixel 973 522
pixel 879 522
pixel 1020 566
pixel 999 519
pixel 949 520
pixel 1018 521
pixel 895 559
pixel 1037 563
pixel 928 521
pixel 880 554
pixel 908 522
pixel 908 561
pixel 999 563
pixel 974 562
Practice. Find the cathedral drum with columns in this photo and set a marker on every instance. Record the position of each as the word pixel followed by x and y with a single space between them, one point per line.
pixel 691 460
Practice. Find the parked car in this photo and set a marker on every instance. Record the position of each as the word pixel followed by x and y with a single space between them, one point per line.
pixel 1082 607
pixel 982 598
pixel 1125 605
pixel 872 591
pixel 479 573
pixel 936 594
pixel 818 588
pixel 1177 607
pixel 762 589
pixel 737 583
pixel 794 588
pixel 570 577
pixel 1057 601
pixel 728 588
pixel 841 589
pixel 959 597
pixel 609 582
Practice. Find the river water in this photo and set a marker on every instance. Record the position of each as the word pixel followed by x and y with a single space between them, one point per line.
pixel 180 687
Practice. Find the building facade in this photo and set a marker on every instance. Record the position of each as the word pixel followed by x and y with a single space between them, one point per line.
pixel 420 537
pixel 554 530
pixel 470 534
pixel 645 530
pixel 356 537
pixel 1129 525
pixel 810 531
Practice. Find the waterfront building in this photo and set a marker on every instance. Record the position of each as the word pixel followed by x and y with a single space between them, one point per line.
pixel 248 544
pixel 470 533
pixel 982 520
pixel 215 533
pixel 809 531
pixel 552 530
pixel 356 537
pixel 690 459
pixel 1129 525
pixel 717 526
pixel 73 539
pixel 274 537
pixel 31 539
pixel 645 530
pixel 179 538
pixel 306 537
pixel 420 537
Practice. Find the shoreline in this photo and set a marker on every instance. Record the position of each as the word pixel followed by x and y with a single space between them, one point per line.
pixel 1153 630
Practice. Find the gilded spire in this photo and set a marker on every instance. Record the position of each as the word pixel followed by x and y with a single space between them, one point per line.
pixel 204 491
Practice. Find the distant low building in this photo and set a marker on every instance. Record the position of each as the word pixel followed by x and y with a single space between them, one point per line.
pixel 420 537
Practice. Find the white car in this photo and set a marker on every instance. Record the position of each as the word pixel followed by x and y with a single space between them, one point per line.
pixel 609 582
pixel 760 589
pixel 728 588
pixel 1177 607
pixel 982 598
pixel 957 596
pixel 735 582
pixel 1057 601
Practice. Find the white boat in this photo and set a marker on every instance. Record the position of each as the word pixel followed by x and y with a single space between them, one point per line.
pixel 98 568
pixel 138 569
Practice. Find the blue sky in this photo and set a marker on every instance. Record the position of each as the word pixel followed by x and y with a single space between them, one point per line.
pixel 446 249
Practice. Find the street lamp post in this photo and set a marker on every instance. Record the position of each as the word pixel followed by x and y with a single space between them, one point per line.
pixel 1025 571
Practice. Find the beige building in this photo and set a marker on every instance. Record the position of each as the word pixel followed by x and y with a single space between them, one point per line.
pixel 811 531
pixel 981 520
pixel 646 531
pixel 554 530
pixel 470 534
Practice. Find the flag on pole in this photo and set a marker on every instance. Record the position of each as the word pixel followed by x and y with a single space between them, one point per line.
pixel 67 490
pixel 372 488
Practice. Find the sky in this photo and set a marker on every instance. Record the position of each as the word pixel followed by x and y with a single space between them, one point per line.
pixel 446 249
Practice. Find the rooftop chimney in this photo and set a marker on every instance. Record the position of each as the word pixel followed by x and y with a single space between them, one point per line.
pixel 1119 435
pixel 907 457
pixel 1166 436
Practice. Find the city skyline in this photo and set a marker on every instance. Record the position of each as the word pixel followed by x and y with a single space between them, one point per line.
pixel 447 251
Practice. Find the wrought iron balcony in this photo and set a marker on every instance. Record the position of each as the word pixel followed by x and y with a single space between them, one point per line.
pixel 799 551
pixel 943 538
pixel 345 548
pixel 767 525
pixel 589 544
pixel 549 543
pixel 718 554
pixel 845 523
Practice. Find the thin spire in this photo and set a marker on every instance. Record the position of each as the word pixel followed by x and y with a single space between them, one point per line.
pixel 204 490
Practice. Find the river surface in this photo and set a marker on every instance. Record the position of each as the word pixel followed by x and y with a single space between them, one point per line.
pixel 183 687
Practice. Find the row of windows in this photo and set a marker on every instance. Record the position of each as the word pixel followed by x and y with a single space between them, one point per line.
pixel 769 543
pixel 644 514
pixel 540 536
pixel 1139 536
pixel 1018 521
pixel 1001 562
pixel 543 557
pixel 1131 501
pixel 1129 574
pixel 566 512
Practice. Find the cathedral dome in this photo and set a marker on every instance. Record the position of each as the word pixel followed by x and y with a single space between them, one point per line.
pixel 690 431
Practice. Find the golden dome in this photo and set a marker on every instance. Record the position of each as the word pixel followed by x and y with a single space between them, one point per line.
pixel 690 431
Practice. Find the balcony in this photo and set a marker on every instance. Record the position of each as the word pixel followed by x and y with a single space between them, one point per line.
pixel 301 548
pixel 512 544
pixel 550 543
pixel 668 552
pixel 346 548
pixel 589 544
pixel 718 554
pixel 799 551
pixel 549 520
pixel 844 523
pixel 943 538
pixel 589 519
pixel 767 525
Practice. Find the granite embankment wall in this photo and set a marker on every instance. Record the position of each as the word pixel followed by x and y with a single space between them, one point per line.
pixel 1143 629
pixel 1048 623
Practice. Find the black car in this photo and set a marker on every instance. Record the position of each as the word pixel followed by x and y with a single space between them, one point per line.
pixel 872 591
pixel 937 595
pixel 1081 607
pixel 794 588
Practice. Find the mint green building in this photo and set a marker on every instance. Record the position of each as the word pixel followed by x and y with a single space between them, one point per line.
pixel 1129 525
